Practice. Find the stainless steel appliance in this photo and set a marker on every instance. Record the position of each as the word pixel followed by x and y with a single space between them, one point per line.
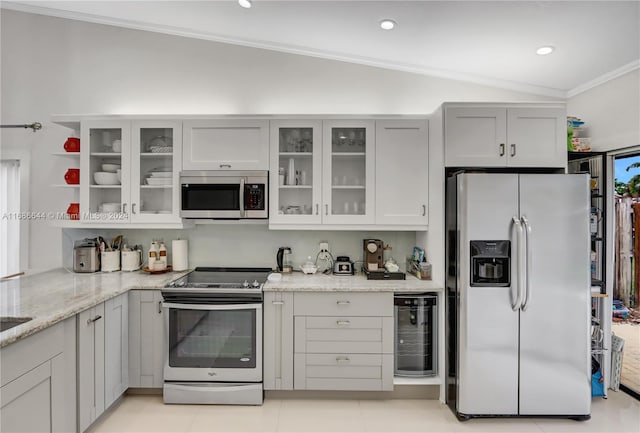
pixel 86 256
pixel 416 334
pixel 343 266
pixel 518 296
pixel 224 194
pixel 214 331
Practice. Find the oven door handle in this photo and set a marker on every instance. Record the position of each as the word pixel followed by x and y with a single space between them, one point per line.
pixel 211 307
pixel 242 214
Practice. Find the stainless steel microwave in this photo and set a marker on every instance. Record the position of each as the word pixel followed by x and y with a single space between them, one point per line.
pixel 224 194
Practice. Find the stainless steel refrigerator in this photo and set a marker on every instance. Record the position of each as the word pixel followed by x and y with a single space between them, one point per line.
pixel 518 295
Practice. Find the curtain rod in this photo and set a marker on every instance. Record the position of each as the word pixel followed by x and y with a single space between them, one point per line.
pixel 35 126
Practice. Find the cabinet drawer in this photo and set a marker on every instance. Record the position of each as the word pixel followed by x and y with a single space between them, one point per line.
pixel 343 334
pixel 343 303
pixel 344 372
pixel 343 322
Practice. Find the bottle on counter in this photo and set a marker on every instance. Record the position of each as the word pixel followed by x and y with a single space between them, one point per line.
pixel 162 255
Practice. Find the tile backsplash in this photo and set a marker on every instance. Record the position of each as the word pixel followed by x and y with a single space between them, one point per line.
pixel 247 244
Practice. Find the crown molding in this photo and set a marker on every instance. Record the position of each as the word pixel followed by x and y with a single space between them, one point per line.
pixel 629 67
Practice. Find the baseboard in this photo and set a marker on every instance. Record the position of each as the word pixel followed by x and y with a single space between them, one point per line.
pixel 424 392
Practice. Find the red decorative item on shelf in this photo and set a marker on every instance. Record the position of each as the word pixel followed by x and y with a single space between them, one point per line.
pixel 74 211
pixel 72 176
pixel 72 144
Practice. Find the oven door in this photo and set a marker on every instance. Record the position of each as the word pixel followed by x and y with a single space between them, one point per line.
pixel 214 343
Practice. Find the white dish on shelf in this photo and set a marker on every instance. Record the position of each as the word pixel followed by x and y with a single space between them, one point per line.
pixel 110 168
pixel 161 174
pixel 106 178
pixel 159 181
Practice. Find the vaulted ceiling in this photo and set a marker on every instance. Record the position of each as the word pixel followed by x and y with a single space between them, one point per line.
pixel 487 42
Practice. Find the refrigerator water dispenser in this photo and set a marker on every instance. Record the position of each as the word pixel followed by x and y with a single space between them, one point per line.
pixel 490 263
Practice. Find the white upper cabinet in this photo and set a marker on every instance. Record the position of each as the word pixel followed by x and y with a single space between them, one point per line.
pixel 504 136
pixel 226 144
pixel 296 172
pixel 402 172
pixel 348 172
pixel 148 155
pixel 155 167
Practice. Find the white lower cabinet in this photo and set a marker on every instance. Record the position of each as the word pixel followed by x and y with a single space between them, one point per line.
pixel 116 340
pixel 37 379
pixel 343 341
pixel 278 341
pixel 102 358
pixel 147 345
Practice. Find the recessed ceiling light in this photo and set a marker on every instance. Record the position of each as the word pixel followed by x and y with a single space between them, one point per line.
pixel 387 24
pixel 245 3
pixel 543 51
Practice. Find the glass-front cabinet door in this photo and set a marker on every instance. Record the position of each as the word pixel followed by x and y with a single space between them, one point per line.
pixel 155 167
pixel 104 171
pixel 348 172
pixel 295 175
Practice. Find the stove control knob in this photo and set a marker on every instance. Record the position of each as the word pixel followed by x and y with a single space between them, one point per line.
pixel 255 283
pixel 245 284
pixel 182 283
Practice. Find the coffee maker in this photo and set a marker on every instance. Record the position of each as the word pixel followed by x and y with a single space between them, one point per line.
pixel 373 254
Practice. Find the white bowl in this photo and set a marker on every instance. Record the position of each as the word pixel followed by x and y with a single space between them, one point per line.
pixel 109 207
pixel 111 168
pixel 105 178
pixel 309 269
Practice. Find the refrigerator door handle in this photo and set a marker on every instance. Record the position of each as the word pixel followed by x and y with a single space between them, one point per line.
pixel 517 282
pixel 527 278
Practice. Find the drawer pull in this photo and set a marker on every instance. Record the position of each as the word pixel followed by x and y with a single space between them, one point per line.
pixel 343 322
pixel 342 359
pixel 277 302
pixel 343 302
pixel 95 319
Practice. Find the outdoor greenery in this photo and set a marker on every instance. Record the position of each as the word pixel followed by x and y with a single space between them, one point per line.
pixel 633 186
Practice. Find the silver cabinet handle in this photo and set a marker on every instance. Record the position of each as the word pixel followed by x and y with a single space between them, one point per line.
pixel 424 210
pixel 501 149
pixel 513 149
pixel 527 279
pixel 159 307
pixel 326 209
pixel 343 322
pixel 95 319
pixel 277 302
pixel 124 208
pixel 133 208
pixel 342 359
pixel 516 282
pixel 317 206
pixel 343 302
pixel 225 165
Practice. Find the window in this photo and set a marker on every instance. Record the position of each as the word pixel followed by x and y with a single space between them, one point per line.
pixel 9 223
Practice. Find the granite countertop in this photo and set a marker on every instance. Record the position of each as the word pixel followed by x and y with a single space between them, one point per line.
pixel 297 282
pixel 52 296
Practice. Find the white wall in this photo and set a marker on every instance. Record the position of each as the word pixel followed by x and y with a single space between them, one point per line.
pixel 611 112
pixel 57 66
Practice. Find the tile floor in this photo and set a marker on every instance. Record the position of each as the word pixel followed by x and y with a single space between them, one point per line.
pixel 135 413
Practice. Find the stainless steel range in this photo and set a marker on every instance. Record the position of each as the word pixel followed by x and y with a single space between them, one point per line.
pixel 214 331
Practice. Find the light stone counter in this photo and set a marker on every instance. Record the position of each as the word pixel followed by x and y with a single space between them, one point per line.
pixel 53 296
pixel 298 282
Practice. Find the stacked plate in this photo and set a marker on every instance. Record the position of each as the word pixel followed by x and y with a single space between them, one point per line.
pixel 160 177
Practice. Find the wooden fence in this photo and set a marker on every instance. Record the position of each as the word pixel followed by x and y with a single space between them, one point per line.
pixel 627 250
